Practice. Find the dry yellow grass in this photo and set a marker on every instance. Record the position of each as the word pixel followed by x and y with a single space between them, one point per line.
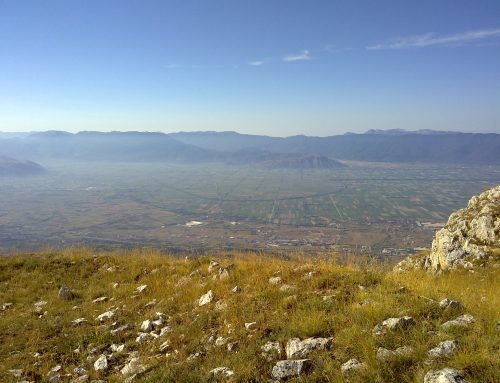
pixel 361 297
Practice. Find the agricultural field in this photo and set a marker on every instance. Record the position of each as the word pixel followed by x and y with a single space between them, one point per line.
pixel 383 210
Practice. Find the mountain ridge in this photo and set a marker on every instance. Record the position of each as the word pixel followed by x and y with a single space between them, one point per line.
pixel 191 147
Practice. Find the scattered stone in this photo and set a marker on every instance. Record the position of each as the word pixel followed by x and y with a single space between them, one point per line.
pixel 251 326
pixel 117 347
pixel 206 298
pixel 236 289
pixel 352 365
pixel 195 273
pixel 463 321
pixel 450 304
pixel 182 281
pixel 65 293
pixel 133 367
pixel 122 328
pixel 232 346
pixel 275 280
pixel 385 355
pixel 108 315
pixel 141 337
pixel 5 306
pixel 221 341
pixel 223 273
pixel 141 288
pixel 165 330
pixel 147 326
pixel 54 370
pixel 150 304
pixel 101 364
pixel 285 369
pixel 271 349
pixel 80 371
pixel 80 379
pixel 393 324
pixel 446 375
pixel 17 373
pixel 287 287
pixel 195 356
pixel 79 321
pixel 221 372
pixel 328 298
pixel 165 346
pixel 115 285
pixel 444 349
pixel 220 305
pixel 213 265
pixel 296 348
pixel 100 300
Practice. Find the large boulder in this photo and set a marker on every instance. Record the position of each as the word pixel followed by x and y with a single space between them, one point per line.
pixel 469 236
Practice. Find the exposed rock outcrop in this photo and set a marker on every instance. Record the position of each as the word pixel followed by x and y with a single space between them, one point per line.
pixel 469 236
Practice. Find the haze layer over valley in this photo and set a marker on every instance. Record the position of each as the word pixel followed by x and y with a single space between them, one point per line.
pixel 202 191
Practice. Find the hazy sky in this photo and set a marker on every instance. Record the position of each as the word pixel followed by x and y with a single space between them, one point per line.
pixel 278 67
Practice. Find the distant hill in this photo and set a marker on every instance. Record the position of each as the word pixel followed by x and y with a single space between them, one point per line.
pixel 378 146
pixel 12 167
pixel 98 146
pixel 303 162
pixel 395 146
pixel 272 160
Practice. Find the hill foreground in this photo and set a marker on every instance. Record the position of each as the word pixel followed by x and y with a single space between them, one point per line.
pixel 146 316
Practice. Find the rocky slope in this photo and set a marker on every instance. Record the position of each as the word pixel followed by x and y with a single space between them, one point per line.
pixel 470 238
pixel 142 316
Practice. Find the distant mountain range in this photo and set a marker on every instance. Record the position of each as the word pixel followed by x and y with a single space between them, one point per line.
pixel 306 152
pixel 12 167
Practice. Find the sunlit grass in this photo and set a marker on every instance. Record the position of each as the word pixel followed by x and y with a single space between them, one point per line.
pixel 358 296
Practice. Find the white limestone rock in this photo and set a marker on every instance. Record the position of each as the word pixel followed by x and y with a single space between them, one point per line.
pixel 468 236
pixel 463 321
pixel 286 369
pixel 352 365
pixel 275 281
pixel 446 375
pixel 450 304
pixel 251 326
pixel 221 372
pixel 271 350
pixel 213 265
pixel 296 348
pixel 147 326
pixel 207 298
pixel 133 367
pixel 444 349
pixel 105 316
pixel 141 288
pixel 392 324
pixel 101 364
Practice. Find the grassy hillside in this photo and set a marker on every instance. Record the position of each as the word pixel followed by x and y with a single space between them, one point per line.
pixel 320 299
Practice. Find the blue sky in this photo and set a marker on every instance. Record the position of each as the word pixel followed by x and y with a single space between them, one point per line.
pixel 278 67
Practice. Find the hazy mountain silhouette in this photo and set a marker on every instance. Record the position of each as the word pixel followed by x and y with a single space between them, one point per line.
pixel 231 147
pixel 421 146
pixel 12 167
